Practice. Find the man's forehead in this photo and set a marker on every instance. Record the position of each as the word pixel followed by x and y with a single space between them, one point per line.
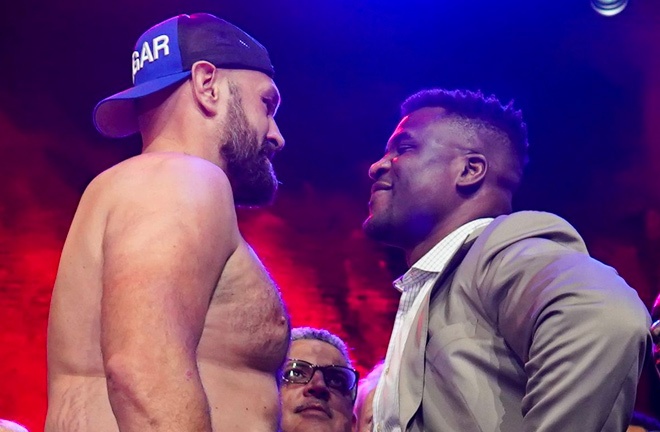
pixel 422 117
pixel 416 121
pixel 256 80
pixel 317 352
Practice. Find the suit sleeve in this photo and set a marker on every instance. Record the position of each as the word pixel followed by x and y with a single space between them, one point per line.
pixel 579 330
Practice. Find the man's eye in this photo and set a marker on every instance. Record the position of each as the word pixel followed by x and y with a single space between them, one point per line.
pixel 338 382
pixel 403 149
pixel 269 105
pixel 293 373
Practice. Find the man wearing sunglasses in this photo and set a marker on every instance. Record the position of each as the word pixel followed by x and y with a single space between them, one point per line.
pixel 319 384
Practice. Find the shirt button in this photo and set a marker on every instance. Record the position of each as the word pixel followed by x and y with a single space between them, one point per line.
pixel 387 370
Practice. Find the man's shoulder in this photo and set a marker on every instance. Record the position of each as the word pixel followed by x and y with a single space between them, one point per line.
pixel 162 181
pixel 148 173
pixel 529 225
pixel 533 221
pixel 165 164
pixel 525 232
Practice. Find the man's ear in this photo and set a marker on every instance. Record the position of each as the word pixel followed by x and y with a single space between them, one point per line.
pixel 473 172
pixel 206 86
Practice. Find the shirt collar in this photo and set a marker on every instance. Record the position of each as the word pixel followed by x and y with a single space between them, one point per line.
pixel 436 259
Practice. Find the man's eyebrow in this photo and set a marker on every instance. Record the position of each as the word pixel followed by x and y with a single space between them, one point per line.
pixel 396 140
pixel 273 97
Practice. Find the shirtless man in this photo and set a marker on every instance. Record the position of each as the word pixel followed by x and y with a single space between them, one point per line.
pixel 162 318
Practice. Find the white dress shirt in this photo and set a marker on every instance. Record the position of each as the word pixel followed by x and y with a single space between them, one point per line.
pixel 414 284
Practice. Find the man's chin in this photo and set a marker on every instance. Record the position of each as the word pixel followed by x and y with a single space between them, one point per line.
pixel 373 229
pixel 314 415
pixel 381 230
pixel 255 192
pixel 315 422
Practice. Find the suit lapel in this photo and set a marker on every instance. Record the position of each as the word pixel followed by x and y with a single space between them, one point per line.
pixel 411 377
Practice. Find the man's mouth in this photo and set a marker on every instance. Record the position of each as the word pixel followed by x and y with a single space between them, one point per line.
pixel 379 186
pixel 268 149
pixel 267 153
pixel 313 407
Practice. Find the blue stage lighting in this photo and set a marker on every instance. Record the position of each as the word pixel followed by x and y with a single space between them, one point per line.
pixel 609 7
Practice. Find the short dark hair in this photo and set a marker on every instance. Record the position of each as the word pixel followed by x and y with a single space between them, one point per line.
pixel 485 112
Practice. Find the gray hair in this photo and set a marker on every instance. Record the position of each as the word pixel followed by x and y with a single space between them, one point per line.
pixel 367 384
pixel 310 333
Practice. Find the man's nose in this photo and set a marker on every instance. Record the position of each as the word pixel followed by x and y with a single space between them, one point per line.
pixel 379 167
pixel 275 136
pixel 316 387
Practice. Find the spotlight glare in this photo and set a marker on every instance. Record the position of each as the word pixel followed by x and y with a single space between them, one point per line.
pixel 609 7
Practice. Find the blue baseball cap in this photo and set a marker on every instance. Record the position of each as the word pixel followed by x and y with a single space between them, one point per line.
pixel 164 55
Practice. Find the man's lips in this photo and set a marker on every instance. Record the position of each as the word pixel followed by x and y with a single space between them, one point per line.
pixel 313 407
pixel 380 185
pixel 268 149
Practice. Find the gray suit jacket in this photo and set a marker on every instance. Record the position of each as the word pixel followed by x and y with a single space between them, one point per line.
pixel 524 332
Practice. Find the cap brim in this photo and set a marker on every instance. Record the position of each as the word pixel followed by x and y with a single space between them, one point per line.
pixel 116 116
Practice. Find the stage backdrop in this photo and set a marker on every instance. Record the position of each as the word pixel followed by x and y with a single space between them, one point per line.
pixel 589 87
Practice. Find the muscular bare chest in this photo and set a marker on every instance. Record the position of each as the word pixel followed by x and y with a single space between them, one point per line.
pixel 247 322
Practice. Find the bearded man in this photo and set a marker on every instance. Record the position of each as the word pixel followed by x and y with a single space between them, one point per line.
pixel 162 317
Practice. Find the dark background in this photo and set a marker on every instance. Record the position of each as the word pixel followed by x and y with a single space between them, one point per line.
pixel 589 87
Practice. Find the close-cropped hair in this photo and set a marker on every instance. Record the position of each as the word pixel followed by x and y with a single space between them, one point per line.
pixel 310 333
pixel 367 384
pixel 484 112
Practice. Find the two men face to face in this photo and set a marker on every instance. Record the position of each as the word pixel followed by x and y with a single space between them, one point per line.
pixel 414 181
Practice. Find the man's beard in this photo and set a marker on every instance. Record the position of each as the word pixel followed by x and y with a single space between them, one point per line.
pixel 248 167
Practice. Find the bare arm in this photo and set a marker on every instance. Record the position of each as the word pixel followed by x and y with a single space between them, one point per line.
pixel 168 235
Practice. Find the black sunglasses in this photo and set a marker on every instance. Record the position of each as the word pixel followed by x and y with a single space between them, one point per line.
pixel 340 378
